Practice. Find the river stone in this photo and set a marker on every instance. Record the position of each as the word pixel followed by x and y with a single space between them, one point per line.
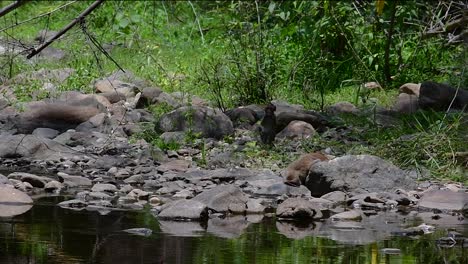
pixel 34 180
pixel 4 179
pixel 45 132
pixel 445 200
pixel 356 173
pixel 211 123
pixel 255 206
pixel 10 195
pixel 175 165
pixel 298 208
pixel 53 186
pixel 104 187
pixel 13 202
pixel 342 107
pixel 242 117
pixel 297 130
pixel 353 215
pixel 184 209
pixel 335 197
pixel 73 181
pixel 223 197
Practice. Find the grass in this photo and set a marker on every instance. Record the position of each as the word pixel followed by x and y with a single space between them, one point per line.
pixel 164 46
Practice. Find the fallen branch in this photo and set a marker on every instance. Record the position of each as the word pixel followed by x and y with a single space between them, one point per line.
pixel 65 29
pixel 458 23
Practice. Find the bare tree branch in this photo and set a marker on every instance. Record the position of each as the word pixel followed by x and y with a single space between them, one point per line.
pixel 7 9
pixel 65 29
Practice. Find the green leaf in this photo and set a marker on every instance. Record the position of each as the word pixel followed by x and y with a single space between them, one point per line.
pixel 124 23
pixel 271 7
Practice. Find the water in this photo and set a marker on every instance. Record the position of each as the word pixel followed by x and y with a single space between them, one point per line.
pixel 49 234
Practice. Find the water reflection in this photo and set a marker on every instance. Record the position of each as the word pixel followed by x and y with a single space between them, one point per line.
pixel 50 234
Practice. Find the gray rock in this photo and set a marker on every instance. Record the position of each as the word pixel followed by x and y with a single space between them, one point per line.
pixel 445 200
pixel 335 197
pixel 255 206
pixel 223 198
pixel 104 187
pixel 73 181
pixel 353 215
pixel 357 172
pixel 33 147
pixel 297 130
pixel 13 202
pixel 242 117
pixel 211 123
pixel 45 132
pixel 53 186
pixel 183 210
pixel 342 107
pixel 34 180
pixel 298 208
pixel 175 165
pixel 10 195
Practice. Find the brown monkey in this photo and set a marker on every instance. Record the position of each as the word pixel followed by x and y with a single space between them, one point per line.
pixel 268 125
pixel 298 170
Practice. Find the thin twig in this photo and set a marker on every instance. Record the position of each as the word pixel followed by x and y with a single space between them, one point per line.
pixel 198 22
pixel 39 16
pixel 65 29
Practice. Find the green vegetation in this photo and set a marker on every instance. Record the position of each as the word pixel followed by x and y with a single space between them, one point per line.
pixel 313 53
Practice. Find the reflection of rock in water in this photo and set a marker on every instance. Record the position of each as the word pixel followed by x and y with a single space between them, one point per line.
pixel 181 229
pixel 8 210
pixel 229 227
pixel 297 230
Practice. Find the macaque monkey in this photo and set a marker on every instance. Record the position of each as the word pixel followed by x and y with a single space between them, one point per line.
pixel 268 125
pixel 298 171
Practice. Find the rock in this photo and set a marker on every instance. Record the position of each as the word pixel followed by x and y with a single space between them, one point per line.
pixel 181 229
pixel 411 89
pixel 335 197
pixel 211 123
pixel 372 86
pixel 242 117
pixel 184 194
pixel 357 172
pixel 183 210
pixel 353 215
pixel 297 130
pixel 148 96
pixel 73 181
pixel 45 132
pixel 13 202
pixel 298 208
pixel 53 186
pixel 342 108
pixel 445 200
pixel 439 97
pixel 315 119
pixel 34 180
pixel 174 165
pixel 173 137
pixel 104 187
pixel 255 206
pixel 56 76
pixel 223 198
pixel 107 86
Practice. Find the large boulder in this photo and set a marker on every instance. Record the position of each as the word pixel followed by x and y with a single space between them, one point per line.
pixel 211 123
pixel 357 173
pixel 184 210
pixel 224 198
pixel 242 117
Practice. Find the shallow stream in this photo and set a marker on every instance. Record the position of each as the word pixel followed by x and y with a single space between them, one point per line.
pixel 50 234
